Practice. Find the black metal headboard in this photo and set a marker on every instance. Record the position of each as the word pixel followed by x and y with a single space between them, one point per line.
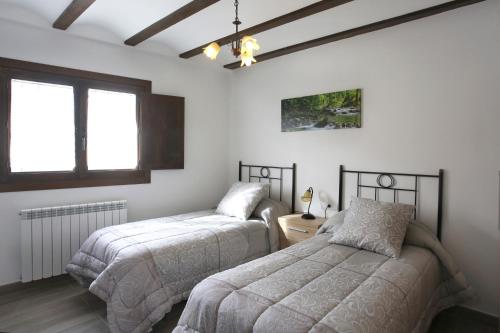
pixel 265 172
pixel 391 185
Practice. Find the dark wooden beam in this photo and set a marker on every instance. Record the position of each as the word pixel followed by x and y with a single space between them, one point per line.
pixel 312 9
pixel 179 15
pixel 447 6
pixel 71 13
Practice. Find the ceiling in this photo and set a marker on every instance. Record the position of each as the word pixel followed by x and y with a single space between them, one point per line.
pixel 116 20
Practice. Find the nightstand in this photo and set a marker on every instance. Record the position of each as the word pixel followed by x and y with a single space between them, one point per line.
pixel 294 229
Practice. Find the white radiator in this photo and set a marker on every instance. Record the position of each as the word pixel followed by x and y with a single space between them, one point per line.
pixel 51 236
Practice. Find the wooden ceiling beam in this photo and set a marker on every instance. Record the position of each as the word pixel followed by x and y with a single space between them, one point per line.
pixel 71 13
pixel 430 11
pixel 177 16
pixel 312 9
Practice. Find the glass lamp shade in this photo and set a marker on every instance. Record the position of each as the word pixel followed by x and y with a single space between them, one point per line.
pixel 247 57
pixel 250 43
pixel 307 197
pixel 212 50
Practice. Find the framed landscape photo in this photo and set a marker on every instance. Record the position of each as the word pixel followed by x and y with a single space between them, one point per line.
pixel 336 110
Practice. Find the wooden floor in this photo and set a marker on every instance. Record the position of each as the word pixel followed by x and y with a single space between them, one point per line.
pixel 61 305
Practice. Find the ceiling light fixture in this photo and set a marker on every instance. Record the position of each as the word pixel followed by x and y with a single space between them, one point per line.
pixel 241 47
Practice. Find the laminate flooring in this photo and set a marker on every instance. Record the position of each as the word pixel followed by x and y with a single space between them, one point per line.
pixel 59 305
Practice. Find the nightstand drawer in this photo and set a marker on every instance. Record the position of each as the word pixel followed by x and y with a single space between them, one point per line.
pixel 294 229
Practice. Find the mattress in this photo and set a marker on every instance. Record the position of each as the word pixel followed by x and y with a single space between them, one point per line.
pixel 315 286
pixel 141 269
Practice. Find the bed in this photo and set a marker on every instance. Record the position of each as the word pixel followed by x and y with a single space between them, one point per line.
pixel 142 269
pixel 319 286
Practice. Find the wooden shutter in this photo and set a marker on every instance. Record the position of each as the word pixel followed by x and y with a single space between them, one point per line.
pixel 4 125
pixel 163 132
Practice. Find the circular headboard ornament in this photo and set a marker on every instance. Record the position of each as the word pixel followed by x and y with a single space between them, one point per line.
pixel 386 180
pixel 265 172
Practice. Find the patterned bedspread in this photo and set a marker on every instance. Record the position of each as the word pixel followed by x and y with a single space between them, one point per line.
pixel 315 286
pixel 141 269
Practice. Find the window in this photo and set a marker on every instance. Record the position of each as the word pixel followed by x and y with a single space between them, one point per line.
pixel 63 128
pixel 42 127
pixel 111 130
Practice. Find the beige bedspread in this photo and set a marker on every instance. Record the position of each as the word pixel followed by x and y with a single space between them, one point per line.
pixel 315 286
pixel 141 269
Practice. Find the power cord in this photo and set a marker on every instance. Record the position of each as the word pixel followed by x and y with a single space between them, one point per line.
pixel 328 206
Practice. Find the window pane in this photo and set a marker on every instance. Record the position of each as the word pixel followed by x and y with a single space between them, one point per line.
pixel 42 127
pixel 111 130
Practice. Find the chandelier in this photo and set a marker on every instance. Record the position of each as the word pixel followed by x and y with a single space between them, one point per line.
pixel 241 47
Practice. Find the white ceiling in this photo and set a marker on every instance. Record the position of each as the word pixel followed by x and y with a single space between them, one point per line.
pixel 116 20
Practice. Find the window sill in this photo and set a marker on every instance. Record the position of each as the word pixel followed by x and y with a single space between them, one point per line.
pixel 65 180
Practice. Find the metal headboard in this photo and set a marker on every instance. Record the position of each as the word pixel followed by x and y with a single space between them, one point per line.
pixel 392 186
pixel 265 173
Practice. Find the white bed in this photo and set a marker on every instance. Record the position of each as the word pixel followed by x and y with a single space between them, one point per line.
pixel 141 269
pixel 370 268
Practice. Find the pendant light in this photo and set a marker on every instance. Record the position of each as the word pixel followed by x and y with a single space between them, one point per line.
pixel 243 48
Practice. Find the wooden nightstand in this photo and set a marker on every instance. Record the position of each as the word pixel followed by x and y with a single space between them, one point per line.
pixel 294 229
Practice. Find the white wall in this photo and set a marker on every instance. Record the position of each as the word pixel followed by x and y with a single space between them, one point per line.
pixel 430 100
pixel 200 185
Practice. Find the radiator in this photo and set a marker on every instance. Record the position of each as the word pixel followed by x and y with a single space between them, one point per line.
pixel 51 236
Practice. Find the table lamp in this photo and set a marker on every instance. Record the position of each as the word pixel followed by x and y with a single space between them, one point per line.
pixel 307 197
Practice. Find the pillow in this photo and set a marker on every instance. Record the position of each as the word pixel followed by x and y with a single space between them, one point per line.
pixel 333 223
pixel 241 199
pixel 375 226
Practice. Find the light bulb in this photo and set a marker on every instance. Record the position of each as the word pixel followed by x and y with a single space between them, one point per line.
pixel 212 50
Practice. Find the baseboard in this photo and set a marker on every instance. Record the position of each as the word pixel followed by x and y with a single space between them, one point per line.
pixel 491 314
pixel 4 288
pixel 10 287
pixel 474 315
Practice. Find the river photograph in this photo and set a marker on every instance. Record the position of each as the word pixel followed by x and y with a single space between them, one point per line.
pixel 336 110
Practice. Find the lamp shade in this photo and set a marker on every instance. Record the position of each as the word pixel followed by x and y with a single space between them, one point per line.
pixel 307 197
pixel 247 57
pixel 212 50
pixel 250 43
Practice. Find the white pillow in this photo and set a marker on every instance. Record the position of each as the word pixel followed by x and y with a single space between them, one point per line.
pixel 375 226
pixel 241 199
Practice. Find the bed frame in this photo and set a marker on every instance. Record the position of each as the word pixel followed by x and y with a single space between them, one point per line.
pixel 265 173
pixel 387 181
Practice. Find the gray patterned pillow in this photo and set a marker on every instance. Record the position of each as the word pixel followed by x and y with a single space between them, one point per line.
pixel 375 226
pixel 333 223
pixel 241 199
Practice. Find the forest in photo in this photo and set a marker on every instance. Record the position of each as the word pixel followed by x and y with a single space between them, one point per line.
pixel 335 110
